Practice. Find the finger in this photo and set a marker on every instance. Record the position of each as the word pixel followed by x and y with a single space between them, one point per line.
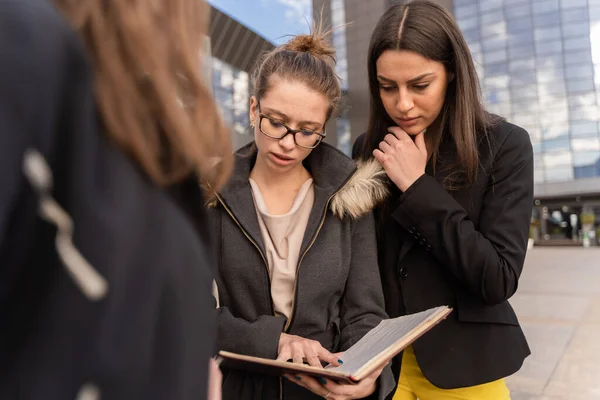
pixel 285 354
pixel 328 357
pixel 343 390
pixel 297 353
pixel 315 385
pixel 312 358
pixel 375 374
pixel 379 156
pixel 385 147
pixel 399 133
pixel 215 381
pixel 391 139
pixel 420 143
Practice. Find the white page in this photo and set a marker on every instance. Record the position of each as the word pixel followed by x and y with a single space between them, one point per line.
pixel 379 339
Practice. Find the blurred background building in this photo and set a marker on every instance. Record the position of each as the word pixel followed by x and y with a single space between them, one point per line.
pixel 234 49
pixel 539 65
pixel 538 62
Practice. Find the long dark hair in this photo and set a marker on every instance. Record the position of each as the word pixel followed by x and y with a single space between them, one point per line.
pixel 429 30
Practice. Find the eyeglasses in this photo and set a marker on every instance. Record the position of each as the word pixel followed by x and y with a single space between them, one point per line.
pixel 276 129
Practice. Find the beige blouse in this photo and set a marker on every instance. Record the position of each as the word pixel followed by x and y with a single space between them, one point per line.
pixel 282 236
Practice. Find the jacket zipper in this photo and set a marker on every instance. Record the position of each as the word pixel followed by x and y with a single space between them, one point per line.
pixel 289 322
pixel 255 245
pixel 266 267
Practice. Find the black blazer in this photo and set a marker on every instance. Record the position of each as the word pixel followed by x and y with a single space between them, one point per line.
pixel 465 249
pixel 153 333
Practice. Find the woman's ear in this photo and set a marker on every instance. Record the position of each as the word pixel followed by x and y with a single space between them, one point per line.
pixel 450 76
pixel 253 110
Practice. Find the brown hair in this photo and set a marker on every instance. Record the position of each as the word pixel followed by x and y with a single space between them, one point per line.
pixel 309 59
pixel 428 29
pixel 151 96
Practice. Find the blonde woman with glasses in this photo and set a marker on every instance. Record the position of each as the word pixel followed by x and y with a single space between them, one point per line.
pixel 298 277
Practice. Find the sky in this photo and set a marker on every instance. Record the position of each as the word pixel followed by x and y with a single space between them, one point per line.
pixel 272 19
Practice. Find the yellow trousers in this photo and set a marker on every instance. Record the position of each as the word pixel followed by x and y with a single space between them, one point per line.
pixel 413 385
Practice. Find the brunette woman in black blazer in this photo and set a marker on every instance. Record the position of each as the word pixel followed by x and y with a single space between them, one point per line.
pixel 455 229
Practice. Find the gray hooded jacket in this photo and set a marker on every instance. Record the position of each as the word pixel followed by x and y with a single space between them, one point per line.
pixel 338 289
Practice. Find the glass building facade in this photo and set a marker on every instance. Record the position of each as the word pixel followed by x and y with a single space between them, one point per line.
pixel 539 66
pixel 338 21
pixel 231 91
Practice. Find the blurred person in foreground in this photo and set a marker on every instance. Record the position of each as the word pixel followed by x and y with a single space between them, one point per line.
pixel 105 131
pixel 455 229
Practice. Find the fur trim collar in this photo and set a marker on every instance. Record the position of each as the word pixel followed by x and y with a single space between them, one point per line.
pixel 367 188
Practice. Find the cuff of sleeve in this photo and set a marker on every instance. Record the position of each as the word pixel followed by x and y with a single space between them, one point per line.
pixel 268 335
pixel 413 195
pixel 417 206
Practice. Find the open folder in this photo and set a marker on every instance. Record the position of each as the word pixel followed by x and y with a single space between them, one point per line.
pixel 380 344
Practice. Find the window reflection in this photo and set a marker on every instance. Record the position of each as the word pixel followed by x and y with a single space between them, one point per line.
pixel 538 175
pixel 579 71
pixel 580 85
pixel 581 158
pixel 521 64
pixel 487 5
pixel 494 57
pixel 231 91
pixel 516 39
pixel 495 29
pixel 338 19
pixel 575 15
pixel 521 51
pixel 544 6
pixel 464 11
pixel 573 4
pixel 581 43
pixel 556 145
pixel 547 20
pixel 553 131
pixel 558 174
pixel 519 24
pixel 559 159
pixel 586 144
pixel 468 23
pixel 586 164
pixel 524 92
pixel 584 128
pixel 575 29
pixel 577 57
pixel 539 64
pixel 542 48
pixel 517 11
pixel 492 17
pixel 494 44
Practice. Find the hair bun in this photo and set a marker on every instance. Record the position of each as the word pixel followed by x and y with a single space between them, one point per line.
pixel 314 43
